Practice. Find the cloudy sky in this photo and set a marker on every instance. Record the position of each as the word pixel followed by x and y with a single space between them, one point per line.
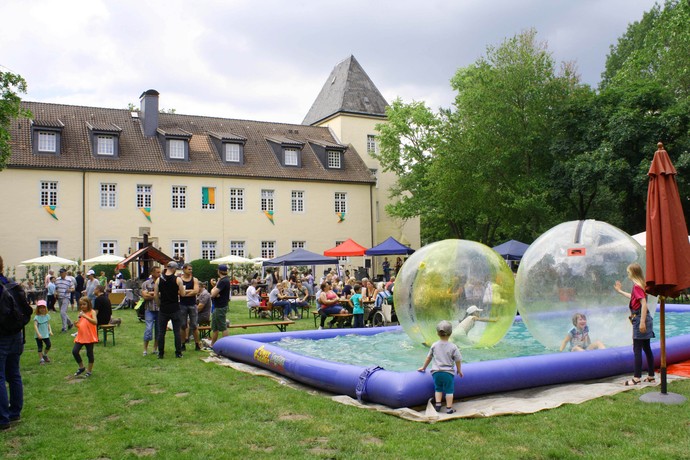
pixel 267 60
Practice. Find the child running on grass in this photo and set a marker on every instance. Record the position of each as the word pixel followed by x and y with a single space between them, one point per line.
pixel 87 336
pixel 42 330
pixel 577 338
pixel 444 354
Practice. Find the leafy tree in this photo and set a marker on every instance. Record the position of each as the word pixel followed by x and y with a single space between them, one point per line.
pixel 10 108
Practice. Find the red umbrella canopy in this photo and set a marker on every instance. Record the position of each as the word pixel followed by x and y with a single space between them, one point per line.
pixel 668 250
pixel 346 249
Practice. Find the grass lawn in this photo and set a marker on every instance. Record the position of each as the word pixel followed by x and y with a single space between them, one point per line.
pixel 135 406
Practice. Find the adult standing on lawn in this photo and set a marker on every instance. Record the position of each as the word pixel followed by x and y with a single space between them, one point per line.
pixel 80 284
pixel 91 284
pixel 168 290
pixel 11 349
pixel 63 292
pixel 188 311
pixel 221 296
pixel 151 310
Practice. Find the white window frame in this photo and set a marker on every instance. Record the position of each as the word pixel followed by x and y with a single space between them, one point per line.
pixel 334 159
pixel 236 199
pixel 238 248
pixel 208 205
pixel 47 141
pixel 48 248
pixel 49 193
pixel 232 152
pixel 108 195
pixel 372 144
pixel 267 200
pixel 340 201
pixel 208 250
pixel 178 197
pixel 268 249
pixel 105 145
pixel 297 201
pixel 179 248
pixel 108 247
pixel 144 193
pixel 290 157
pixel 176 149
pixel 340 259
pixel 299 245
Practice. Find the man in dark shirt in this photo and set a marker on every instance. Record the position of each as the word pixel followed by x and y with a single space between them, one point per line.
pixel 168 290
pixel 221 296
pixel 188 311
pixel 80 286
pixel 104 309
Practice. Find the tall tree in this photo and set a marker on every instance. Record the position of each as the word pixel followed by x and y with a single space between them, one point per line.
pixel 10 109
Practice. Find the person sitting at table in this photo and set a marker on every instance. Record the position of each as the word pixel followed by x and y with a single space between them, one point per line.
pixel 287 294
pixel 275 299
pixel 347 288
pixel 302 294
pixel 328 304
pixel 380 296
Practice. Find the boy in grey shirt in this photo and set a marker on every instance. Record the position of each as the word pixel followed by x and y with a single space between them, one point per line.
pixel 444 354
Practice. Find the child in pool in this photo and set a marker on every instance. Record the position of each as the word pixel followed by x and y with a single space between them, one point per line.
pixel 42 330
pixel 444 354
pixel 577 338
pixel 87 336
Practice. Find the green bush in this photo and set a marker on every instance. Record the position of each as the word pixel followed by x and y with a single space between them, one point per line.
pixel 109 271
pixel 203 270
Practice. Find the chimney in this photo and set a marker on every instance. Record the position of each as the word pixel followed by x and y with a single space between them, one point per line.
pixel 149 111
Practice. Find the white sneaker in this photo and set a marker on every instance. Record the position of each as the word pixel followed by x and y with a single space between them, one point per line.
pixel 320 327
pixel 145 353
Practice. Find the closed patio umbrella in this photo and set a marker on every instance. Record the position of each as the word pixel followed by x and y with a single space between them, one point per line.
pixel 668 251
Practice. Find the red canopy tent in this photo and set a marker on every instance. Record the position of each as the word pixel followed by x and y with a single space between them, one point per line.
pixel 668 250
pixel 345 249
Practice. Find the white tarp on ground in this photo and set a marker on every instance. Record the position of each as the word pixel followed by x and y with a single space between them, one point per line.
pixel 515 402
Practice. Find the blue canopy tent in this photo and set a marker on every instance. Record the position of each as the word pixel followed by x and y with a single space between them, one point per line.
pixel 389 247
pixel 300 258
pixel 511 250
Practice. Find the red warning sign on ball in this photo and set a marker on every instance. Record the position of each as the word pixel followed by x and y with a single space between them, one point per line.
pixel 577 252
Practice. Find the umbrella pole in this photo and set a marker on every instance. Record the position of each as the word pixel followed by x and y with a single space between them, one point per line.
pixel 662 330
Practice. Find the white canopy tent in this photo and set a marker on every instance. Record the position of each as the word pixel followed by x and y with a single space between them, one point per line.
pixel 642 239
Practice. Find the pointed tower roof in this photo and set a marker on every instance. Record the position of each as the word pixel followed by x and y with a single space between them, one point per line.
pixel 349 90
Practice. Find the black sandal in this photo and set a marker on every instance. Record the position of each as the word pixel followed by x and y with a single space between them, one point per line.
pixel 632 382
pixel 649 379
pixel 80 371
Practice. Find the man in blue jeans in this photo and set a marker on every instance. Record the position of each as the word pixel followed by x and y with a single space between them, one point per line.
pixel 11 349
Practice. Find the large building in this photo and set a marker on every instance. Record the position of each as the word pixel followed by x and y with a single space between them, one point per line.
pixel 84 181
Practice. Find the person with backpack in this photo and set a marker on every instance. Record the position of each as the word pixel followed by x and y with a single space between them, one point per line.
pixel 15 313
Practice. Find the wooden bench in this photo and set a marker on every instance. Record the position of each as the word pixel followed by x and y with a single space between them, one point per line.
pixel 204 332
pixel 281 325
pixel 107 329
pixel 339 317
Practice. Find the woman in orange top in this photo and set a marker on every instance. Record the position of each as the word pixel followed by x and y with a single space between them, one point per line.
pixel 87 336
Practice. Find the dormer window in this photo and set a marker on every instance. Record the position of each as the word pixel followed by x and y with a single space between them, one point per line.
pixel 175 143
pixel 290 157
pixel 230 147
pixel 288 151
pixel 334 159
pixel 105 139
pixel 46 136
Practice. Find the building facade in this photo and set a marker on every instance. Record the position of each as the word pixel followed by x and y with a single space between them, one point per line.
pixel 85 181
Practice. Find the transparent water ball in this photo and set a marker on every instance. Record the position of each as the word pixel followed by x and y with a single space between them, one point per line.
pixel 443 280
pixel 570 269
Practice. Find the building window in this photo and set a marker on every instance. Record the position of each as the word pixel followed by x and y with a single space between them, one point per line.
pixel 176 149
pixel 340 202
pixel 268 249
pixel 298 245
pixel 108 196
pixel 208 250
pixel 297 201
pixel 49 248
pixel 237 248
pixel 290 157
pixel 179 249
pixel 105 145
pixel 334 159
pixel 49 193
pixel 179 197
pixel 232 153
pixel 108 247
pixel 144 196
pixel 47 141
pixel 236 199
pixel 340 259
pixel 267 200
pixel 372 145
pixel 208 198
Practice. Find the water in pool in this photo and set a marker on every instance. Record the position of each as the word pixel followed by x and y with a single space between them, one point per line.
pixel 395 351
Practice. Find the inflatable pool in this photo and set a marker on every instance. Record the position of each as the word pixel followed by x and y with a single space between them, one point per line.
pixel 412 388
